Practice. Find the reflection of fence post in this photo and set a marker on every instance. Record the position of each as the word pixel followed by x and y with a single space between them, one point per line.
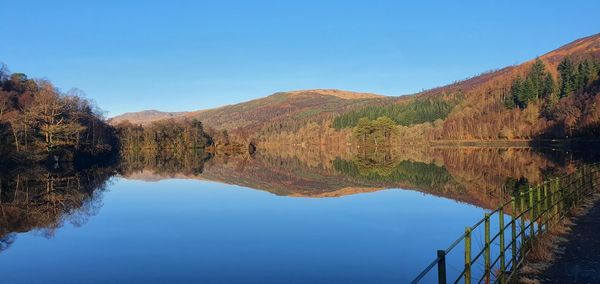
pixel 468 255
pixel 441 266
pixel 502 246
pixel 487 254
pixel 513 230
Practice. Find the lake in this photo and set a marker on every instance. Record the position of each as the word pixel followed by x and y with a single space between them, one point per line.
pixel 349 218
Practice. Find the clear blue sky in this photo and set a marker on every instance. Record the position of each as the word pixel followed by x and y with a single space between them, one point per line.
pixel 187 55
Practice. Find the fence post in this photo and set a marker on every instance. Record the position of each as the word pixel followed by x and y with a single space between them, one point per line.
pixel 546 211
pixel 565 194
pixel 540 207
pixel 593 178
pixel 589 172
pixel 531 217
pixel 487 254
pixel 546 203
pixel 468 255
pixel 584 175
pixel 441 266
pixel 513 229
pixel 573 177
pixel 502 245
pixel 522 248
pixel 579 185
pixel 590 181
pixel 555 200
pixel 561 200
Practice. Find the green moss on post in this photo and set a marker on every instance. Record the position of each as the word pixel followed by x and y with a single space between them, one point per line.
pixel 502 245
pixel 522 230
pixel 468 255
pixel 531 217
pixel 487 254
pixel 513 229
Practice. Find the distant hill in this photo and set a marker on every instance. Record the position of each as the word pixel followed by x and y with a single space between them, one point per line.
pixel 144 117
pixel 471 109
pixel 299 105
pixel 253 114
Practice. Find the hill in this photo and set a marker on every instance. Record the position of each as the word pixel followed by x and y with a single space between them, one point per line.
pixel 297 105
pixel 485 107
pixel 144 117
pixel 584 47
pixel 508 103
pixel 283 108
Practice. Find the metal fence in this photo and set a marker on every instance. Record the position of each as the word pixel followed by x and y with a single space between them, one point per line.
pixel 534 211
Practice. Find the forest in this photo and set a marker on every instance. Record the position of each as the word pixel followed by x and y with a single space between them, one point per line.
pixel 417 111
pixel 164 135
pixel 568 103
pixel 533 101
pixel 39 122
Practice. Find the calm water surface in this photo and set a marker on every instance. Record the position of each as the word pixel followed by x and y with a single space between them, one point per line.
pixel 259 220
pixel 205 232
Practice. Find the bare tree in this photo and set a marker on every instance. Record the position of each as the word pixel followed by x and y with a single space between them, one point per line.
pixel 50 114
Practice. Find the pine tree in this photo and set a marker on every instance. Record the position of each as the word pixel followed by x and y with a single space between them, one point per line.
pixel 363 129
pixel 566 70
pixel 548 87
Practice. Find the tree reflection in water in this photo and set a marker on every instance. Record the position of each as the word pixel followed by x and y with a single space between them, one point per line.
pixel 43 200
pixel 39 199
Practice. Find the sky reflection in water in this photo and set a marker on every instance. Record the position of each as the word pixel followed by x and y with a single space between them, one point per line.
pixel 205 232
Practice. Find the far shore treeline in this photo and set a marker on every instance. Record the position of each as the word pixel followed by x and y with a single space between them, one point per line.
pixel 40 123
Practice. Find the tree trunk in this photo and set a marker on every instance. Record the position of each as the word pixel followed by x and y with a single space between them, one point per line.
pixel 16 135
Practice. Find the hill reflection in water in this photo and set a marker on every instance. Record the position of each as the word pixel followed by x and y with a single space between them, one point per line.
pixel 191 218
pixel 43 200
pixel 479 176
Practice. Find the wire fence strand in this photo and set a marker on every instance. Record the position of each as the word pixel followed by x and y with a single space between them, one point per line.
pixel 535 211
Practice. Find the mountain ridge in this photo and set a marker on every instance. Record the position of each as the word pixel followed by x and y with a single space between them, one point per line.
pixel 149 116
pixel 476 99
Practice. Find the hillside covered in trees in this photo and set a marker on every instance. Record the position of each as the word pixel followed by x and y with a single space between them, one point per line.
pixel 554 96
pixel 39 122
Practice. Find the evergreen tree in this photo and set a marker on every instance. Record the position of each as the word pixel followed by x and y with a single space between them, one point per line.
pixel 385 127
pixel 363 129
pixel 566 71
pixel 537 84
pixel 548 87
